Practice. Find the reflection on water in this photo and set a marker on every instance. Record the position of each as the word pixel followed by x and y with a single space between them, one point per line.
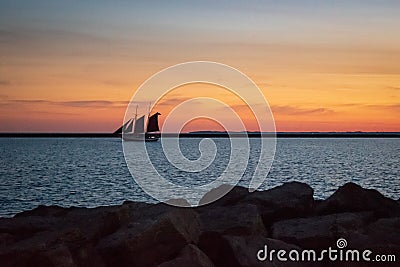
pixel 92 172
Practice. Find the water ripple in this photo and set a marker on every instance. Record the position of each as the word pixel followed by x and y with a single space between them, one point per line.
pixel 90 172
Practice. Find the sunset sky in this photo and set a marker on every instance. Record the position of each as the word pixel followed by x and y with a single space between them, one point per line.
pixel 72 66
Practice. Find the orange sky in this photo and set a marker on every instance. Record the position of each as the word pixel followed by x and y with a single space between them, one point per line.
pixel 76 74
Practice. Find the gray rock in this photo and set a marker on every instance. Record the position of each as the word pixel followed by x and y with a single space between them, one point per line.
pixel 245 249
pixel 218 249
pixel 151 241
pixel 44 211
pixel 320 231
pixel 23 227
pixel 60 256
pixel 228 250
pixel 385 231
pixel 290 200
pixel 99 222
pixel 5 240
pixel 189 256
pixel 234 195
pixel 32 251
pixel 353 198
pixel 234 220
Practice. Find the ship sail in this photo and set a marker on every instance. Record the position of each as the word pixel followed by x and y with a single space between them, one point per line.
pixel 128 128
pixel 123 128
pixel 139 125
pixel 152 125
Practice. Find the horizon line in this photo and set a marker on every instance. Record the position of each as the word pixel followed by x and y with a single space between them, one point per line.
pixel 216 134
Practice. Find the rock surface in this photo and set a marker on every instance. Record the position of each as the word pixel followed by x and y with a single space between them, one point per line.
pixel 228 232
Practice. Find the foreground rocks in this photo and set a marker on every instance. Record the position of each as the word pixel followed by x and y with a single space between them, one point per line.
pixel 229 232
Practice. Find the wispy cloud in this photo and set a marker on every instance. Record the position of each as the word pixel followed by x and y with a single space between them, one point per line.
pixel 92 103
pixel 295 110
pixel 389 107
pixel 394 88
pixel 174 101
pixel 4 82
pixel 287 109
pixel 114 83
pixel 171 101
pixel 386 107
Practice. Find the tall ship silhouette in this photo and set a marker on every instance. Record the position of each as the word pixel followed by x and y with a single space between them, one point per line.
pixel 135 129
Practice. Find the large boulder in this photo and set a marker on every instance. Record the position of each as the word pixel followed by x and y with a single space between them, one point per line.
pixel 235 220
pixel 150 240
pixel 235 195
pixel 189 256
pixel 218 249
pixel 60 256
pixel 320 231
pixel 290 200
pixel 247 248
pixel 385 231
pixel 233 250
pixel 47 236
pixel 98 222
pixel 42 249
pixel 353 198
pixel 384 236
pixel 44 211
pixel 23 227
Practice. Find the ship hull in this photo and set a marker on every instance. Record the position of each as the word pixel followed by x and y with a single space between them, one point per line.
pixel 140 137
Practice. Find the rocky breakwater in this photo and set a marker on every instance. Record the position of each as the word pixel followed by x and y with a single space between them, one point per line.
pixel 228 232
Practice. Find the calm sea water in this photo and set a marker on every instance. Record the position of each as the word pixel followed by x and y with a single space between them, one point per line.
pixel 92 172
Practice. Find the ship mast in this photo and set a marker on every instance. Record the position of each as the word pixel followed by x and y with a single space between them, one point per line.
pixel 148 117
pixel 135 116
pixel 136 112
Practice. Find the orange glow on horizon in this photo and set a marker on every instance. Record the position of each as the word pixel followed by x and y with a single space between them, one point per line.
pixel 347 103
pixel 333 95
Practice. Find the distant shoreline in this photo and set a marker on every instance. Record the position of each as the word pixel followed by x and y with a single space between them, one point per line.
pixel 217 135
